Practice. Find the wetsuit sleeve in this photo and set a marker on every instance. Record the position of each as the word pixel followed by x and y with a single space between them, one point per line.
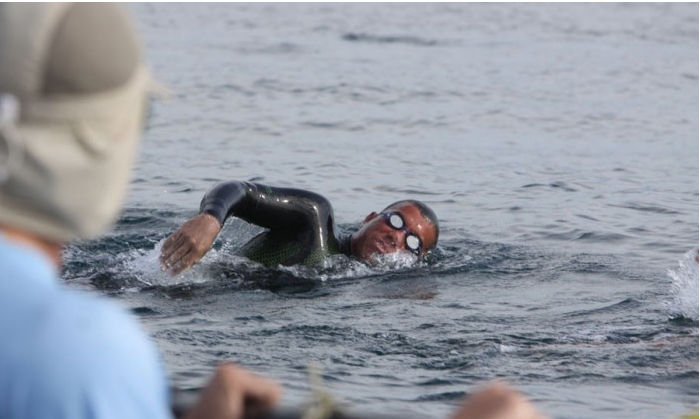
pixel 265 206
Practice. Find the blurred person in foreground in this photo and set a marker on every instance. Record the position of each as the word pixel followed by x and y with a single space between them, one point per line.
pixel 73 94
pixel 73 97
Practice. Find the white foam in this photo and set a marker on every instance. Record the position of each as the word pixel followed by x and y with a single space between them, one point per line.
pixel 684 288
pixel 396 260
pixel 145 266
pixel 506 349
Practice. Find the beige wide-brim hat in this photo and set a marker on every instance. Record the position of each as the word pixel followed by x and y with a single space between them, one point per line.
pixel 67 159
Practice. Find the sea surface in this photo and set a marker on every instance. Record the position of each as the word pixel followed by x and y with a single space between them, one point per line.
pixel 558 144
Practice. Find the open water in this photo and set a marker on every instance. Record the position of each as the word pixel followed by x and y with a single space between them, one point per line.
pixel 558 144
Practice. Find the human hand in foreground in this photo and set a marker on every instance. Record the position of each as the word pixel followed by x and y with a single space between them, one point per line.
pixel 497 401
pixel 189 243
pixel 232 392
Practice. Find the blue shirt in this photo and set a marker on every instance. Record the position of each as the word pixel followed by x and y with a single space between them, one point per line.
pixel 64 354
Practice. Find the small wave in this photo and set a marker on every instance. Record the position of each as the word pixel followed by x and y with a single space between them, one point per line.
pixel 439 397
pixel 684 288
pixel 586 236
pixel 506 349
pixel 390 39
pixel 554 185
pixel 657 209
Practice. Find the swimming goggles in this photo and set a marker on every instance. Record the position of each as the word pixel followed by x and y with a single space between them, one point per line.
pixel 395 221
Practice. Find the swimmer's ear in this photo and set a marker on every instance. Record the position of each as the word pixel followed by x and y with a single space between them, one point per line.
pixel 372 215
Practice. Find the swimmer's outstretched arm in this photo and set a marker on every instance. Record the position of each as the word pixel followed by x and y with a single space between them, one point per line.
pixel 269 207
pixel 262 205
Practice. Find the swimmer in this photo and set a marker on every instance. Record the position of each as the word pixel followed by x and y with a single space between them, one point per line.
pixel 300 227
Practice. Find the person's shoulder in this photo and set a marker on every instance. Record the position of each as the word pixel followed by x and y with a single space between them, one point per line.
pixel 100 330
pixel 91 352
pixel 79 315
pixel 290 192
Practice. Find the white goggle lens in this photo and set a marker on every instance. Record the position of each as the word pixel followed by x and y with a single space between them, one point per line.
pixel 412 242
pixel 396 221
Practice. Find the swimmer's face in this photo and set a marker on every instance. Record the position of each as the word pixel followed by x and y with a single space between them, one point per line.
pixel 398 228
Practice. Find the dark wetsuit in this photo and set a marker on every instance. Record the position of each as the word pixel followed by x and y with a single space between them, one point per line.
pixel 301 226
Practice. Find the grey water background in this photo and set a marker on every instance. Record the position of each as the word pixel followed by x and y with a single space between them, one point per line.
pixel 558 144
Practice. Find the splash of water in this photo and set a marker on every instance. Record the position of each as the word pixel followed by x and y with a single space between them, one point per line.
pixel 144 266
pixel 684 288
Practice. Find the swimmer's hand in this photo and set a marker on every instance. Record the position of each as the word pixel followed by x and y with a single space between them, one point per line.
pixel 497 401
pixel 189 243
pixel 234 391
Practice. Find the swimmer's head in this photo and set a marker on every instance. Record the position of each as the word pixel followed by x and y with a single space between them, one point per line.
pixel 76 74
pixel 407 225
